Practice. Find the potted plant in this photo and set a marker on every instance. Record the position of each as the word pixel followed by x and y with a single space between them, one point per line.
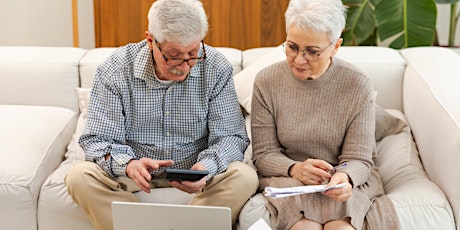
pixel 392 23
pixel 454 15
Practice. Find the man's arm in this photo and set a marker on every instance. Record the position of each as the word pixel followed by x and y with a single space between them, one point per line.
pixel 103 138
pixel 227 133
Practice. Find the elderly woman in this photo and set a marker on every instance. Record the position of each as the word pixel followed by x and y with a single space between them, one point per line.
pixel 313 112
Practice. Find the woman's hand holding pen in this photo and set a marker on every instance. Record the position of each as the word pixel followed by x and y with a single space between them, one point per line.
pixel 316 172
pixel 311 171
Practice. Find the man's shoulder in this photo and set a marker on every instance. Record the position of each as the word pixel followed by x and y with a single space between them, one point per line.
pixel 121 59
pixel 215 58
pixel 126 54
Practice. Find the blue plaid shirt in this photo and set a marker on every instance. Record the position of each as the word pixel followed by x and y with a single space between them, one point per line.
pixel 132 115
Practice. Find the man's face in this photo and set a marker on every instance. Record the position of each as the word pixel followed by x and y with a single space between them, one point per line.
pixel 172 61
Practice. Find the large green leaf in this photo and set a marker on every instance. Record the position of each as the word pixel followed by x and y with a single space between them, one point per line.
pixel 361 22
pixel 406 23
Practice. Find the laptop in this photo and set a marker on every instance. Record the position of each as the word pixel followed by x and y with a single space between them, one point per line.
pixel 132 215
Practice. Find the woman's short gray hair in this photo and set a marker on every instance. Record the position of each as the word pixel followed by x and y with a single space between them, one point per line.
pixel 180 21
pixel 318 15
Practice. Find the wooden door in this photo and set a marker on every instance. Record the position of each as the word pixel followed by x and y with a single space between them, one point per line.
pixel 240 24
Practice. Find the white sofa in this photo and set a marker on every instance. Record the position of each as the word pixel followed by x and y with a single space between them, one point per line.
pixel 40 121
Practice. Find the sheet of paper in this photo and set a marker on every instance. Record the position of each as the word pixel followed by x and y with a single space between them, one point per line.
pixel 260 225
pixel 292 191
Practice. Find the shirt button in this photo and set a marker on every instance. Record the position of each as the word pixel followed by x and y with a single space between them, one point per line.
pixel 167 152
pixel 168 134
pixel 168 90
pixel 167 112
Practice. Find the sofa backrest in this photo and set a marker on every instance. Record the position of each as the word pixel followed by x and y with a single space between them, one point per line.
pixel 44 76
pixel 93 58
pixel 432 105
pixel 89 63
pixel 384 66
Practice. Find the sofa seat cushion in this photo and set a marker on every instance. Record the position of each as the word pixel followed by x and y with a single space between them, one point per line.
pixel 56 209
pixel 419 203
pixel 33 141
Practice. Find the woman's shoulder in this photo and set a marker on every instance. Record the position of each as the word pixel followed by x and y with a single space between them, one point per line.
pixel 348 68
pixel 273 71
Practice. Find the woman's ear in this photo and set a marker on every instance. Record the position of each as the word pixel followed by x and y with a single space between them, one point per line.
pixel 337 45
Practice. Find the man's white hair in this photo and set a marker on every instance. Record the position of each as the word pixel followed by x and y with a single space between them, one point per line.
pixel 180 21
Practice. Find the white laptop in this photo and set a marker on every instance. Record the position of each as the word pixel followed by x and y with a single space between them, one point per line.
pixel 131 215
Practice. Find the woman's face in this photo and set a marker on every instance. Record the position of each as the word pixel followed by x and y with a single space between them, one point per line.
pixel 309 54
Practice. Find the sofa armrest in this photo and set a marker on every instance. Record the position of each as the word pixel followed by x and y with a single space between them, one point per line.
pixel 432 107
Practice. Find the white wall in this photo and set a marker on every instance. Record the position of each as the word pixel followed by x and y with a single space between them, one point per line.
pixel 443 23
pixel 45 23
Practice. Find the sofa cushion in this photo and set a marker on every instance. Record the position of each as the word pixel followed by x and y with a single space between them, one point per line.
pixel 386 124
pixel 33 140
pixel 89 63
pixel 233 56
pixel 74 151
pixel 417 200
pixel 39 76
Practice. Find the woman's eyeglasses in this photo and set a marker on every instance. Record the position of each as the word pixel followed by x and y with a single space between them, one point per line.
pixel 309 53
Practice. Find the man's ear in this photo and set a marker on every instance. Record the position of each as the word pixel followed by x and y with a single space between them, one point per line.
pixel 149 38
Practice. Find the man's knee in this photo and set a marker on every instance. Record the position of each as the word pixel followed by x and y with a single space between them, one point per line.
pixel 244 175
pixel 76 178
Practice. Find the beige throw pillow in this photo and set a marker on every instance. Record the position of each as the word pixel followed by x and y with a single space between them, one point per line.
pixel 386 124
pixel 74 150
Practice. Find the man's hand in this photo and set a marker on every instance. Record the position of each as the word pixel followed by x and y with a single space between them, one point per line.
pixel 139 171
pixel 191 186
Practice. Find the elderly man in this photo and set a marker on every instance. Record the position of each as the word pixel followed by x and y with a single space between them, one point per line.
pixel 167 101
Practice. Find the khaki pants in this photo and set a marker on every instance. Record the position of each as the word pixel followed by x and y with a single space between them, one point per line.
pixel 91 188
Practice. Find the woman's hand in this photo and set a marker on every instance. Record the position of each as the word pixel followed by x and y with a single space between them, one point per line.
pixel 191 186
pixel 339 194
pixel 311 171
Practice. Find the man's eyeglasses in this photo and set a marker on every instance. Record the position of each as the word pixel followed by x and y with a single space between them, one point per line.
pixel 179 61
pixel 309 53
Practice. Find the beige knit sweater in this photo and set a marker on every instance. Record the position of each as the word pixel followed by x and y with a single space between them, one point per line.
pixel 330 118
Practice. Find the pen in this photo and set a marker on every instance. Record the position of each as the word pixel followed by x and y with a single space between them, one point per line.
pixel 337 167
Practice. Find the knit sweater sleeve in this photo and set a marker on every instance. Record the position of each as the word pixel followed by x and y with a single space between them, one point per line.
pixel 268 155
pixel 359 140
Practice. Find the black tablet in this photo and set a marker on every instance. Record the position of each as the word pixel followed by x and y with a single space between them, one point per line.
pixel 181 175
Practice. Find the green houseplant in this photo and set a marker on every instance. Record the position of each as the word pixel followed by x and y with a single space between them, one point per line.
pixel 454 15
pixel 392 23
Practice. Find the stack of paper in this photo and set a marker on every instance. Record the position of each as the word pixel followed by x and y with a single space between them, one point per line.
pixel 285 192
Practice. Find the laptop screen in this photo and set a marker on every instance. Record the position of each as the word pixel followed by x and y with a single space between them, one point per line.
pixel 132 215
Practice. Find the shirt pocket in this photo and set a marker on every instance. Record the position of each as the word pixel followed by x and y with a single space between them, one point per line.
pixel 192 127
pixel 146 125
